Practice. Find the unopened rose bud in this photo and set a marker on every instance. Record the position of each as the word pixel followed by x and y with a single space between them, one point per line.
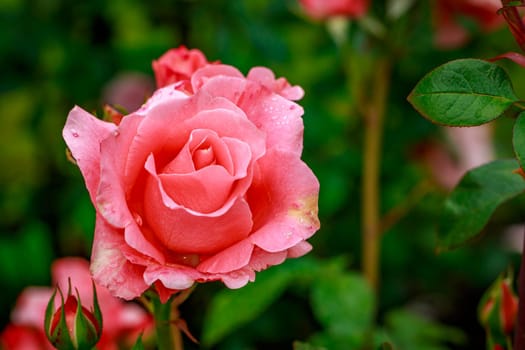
pixel 72 326
pixel 509 307
pixel 498 310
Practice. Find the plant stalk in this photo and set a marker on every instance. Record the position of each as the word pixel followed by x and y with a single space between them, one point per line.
pixel 371 222
pixel 168 335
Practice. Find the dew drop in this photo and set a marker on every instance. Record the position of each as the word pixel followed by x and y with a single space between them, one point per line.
pixel 138 219
pixel 116 133
pixel 74 132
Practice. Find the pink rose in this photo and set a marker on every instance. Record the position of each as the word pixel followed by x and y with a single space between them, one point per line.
pixel 122 321
pixel 450 33
pixel 16 337
pixel 197 187
pixel 321 9
pixel 178 65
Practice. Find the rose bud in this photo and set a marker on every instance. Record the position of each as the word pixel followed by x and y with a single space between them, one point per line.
pixel 72 326
pixel 498 310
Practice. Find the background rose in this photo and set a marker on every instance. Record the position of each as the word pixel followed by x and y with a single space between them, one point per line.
pixel 321 9
pixel 197 187
pixel 450 33
pixel 178 65
pixel 123 322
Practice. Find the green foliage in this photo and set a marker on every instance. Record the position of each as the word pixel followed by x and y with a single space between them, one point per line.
pixel 464 92
pixel 518 139
pixel 344 304
pixel 230 309
pixel 410 331
pixel 472 202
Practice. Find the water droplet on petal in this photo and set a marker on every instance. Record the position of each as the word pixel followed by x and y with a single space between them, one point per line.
pixel 116 133
pixel 74 132
pixel 138 219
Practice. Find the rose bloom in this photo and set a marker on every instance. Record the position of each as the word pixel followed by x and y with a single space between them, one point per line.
pixel 197 187
pixel 450 33
pixel 321 9
pixel 178 65
pixel 122 322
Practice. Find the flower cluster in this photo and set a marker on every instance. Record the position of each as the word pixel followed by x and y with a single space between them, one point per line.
pixel 204 182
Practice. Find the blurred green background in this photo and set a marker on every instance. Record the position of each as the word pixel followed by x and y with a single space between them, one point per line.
pixel 55 54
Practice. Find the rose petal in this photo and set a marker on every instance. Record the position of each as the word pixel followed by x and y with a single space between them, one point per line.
pixel 230 259
pixel 262 259
pixel 231 124
pixel 109 266
pixel 76 270
pixel 204 191
pixel 203 148
pixel 278 117
pixel 83 134
pixel 266 77
pixel 29 303
pixel 201 76
pixel 185 231
pixel 213 187
pixel 135 237
pixel 156 184
pixel 111 195
pixel 286 200
pixel 172 277
pixel 238 279
pixel 299 249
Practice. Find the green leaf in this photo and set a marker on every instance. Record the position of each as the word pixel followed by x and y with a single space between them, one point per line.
pixel 472 202
pixel 230 309
pixel 344 303
pixel 463 92
pixel 518 139
pixel 410 331
pixel 50 311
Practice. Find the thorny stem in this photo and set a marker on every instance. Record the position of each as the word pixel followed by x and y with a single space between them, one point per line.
pixel 371 223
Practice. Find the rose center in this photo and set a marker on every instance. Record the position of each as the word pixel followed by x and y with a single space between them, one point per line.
pixel 203 156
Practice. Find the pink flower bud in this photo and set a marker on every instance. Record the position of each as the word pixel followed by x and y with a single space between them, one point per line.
pixel 72 326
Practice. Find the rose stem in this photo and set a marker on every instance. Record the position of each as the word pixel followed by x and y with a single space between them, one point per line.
pixel 374 115
pixel 519 334
pixel 168 336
